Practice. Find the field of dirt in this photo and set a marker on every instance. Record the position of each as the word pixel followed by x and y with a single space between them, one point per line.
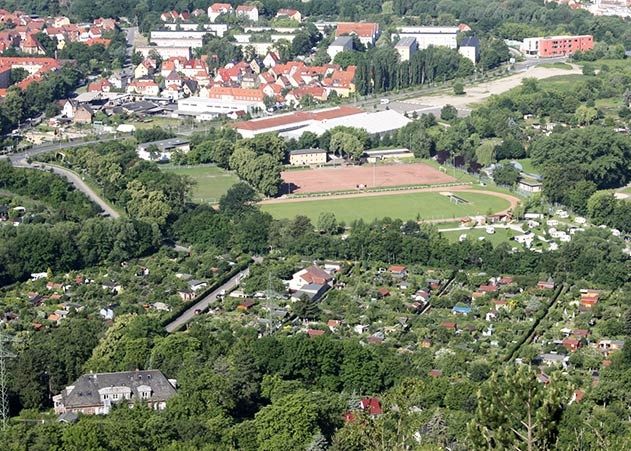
pixel 480 92
pixel 351 177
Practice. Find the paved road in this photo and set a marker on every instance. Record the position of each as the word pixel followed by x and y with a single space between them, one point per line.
pixel 75 180
pixel 43 148
pixel 203 304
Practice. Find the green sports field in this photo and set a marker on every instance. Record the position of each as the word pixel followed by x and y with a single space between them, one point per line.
pixel 211 182
pixel 404 206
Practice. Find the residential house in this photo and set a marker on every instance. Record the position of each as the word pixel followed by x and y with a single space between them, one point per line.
pixel 333 324
pixel 96 393
pixel 470 48
pixel 550 359
pixel 311 275
pixel 83 114
pixel 341 44
pixel 545 285
pixel 143 87
pixel 571 344
pixel 271 59
pixel 100 85
pixel 250 12
pixel 311 292
pixel 217 9
pixel 398 271
pixel 589 300
pixel 289 13
pixel 145 69
pixel 406 48
pixel 79 113
pixel 341 81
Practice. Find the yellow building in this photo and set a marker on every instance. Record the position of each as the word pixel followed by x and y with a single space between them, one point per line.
pixel 307 157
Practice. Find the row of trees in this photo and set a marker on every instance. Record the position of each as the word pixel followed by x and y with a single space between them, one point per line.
pixel 379 70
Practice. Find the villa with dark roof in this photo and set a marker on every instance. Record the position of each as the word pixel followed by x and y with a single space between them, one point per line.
pixel 96 393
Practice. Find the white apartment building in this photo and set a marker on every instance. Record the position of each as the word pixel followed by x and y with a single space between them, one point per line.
pixel 406 47
pixel 426 36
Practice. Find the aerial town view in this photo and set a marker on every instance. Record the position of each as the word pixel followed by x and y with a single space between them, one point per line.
pixel 286 225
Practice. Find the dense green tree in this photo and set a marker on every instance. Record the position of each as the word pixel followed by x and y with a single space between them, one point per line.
pixel 505 174
pixel 515 411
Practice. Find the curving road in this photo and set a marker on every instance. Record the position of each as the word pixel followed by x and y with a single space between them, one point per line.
pixel 73 178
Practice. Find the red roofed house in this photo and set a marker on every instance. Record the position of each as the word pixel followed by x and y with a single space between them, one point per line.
pixel 216 9
pixel 310 275
pixel 398 270
pixel 571 344
pixel 371 405
pixel 589 299
pixel 292 14
pixel 341 81
pixel 545 285
pixel 31 46
pixel 105 24
pixel 315 332
pixel 101 85
pixel 448 325
pixel 315 92
pixel 143 87
pixel 367 32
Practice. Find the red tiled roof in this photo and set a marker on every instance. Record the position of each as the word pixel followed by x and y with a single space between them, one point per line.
pixel 397 268
pixel 371 405
pixel 218 7
pixel 315 332
pixel 300 116
pixel 362 29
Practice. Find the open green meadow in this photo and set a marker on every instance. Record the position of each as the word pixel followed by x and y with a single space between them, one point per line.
pixel 424 205
pixel 211 182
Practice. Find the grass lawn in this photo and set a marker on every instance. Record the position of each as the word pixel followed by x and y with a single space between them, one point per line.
pixel 562 81
pixel 402 206
pixel 557 66
pixel 211 182
pixel 528 166
pixel 500 235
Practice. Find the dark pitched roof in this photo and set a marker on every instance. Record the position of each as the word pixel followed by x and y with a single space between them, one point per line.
pixel 85 391
pixel 471 41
